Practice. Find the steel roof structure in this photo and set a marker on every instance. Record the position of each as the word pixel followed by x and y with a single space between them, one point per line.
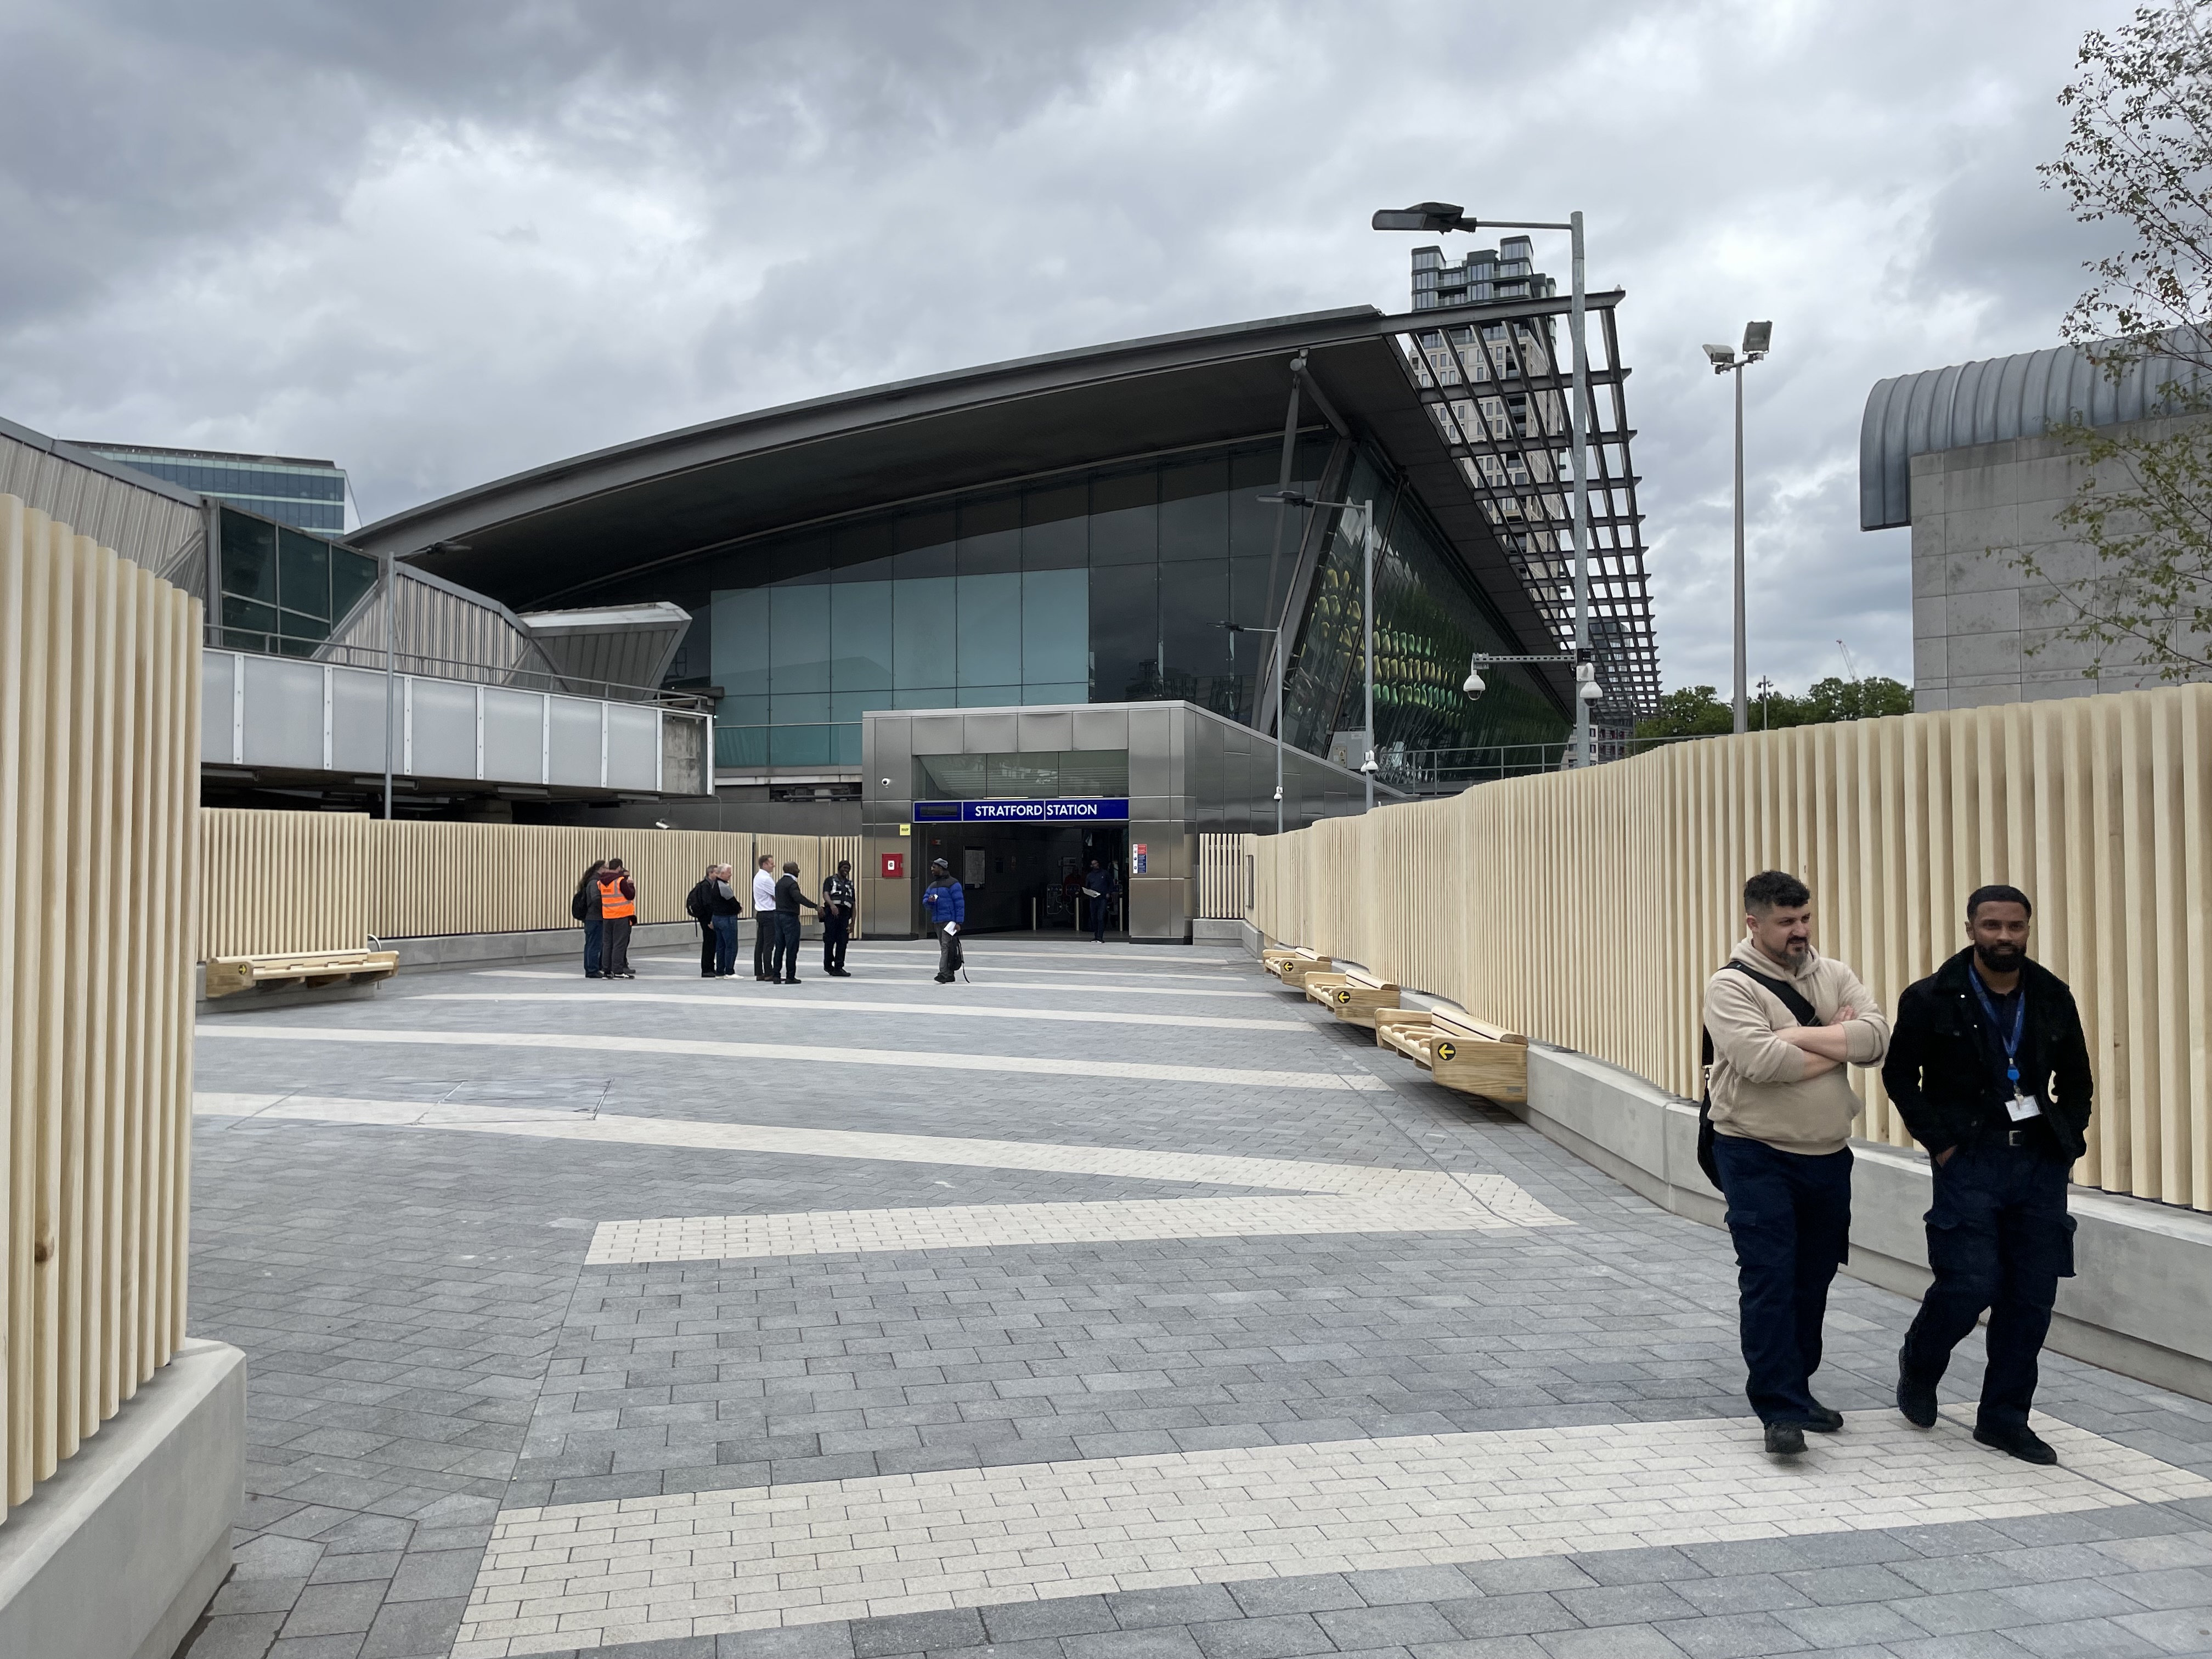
pixel 593 529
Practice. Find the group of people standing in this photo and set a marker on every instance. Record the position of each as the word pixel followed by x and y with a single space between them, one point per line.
pixel 1988 1067
pixel 606 903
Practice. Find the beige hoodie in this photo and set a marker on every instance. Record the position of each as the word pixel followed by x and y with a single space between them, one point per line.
pixel 1759 1084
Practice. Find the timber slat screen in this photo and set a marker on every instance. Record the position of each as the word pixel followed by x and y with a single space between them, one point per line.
pixel 99 785
pixel 329 881
pixel 1223 877
pixel 1587 908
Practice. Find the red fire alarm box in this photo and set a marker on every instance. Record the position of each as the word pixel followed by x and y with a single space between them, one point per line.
pixel 894 866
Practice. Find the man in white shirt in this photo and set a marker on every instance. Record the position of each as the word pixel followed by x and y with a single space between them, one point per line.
pixel 763 914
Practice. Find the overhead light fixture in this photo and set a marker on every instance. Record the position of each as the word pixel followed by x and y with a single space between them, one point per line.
pixel 1756 337
pixel 1723 356
pixel 1438 216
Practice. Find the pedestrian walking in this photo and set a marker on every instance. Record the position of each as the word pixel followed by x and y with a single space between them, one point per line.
pixel 1100 888
pixel 839 900
pixel 944 902
pixel 1989 1069
pixel 1783 1022
pixel 617 900
pixel 783 966
pixel 763 915
pixel 717 908
pixel 585 908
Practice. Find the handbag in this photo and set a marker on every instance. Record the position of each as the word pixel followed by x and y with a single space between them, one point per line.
pixel 1790 998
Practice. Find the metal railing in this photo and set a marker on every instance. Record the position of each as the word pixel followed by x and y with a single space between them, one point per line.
pixel 513 677
pixel 1448 771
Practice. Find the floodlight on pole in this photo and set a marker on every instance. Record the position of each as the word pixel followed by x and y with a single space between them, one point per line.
pixel 1757 339
pixel 1438 217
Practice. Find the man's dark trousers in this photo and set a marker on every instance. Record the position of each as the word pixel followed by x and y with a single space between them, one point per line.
pixel 1790 1216
pixel 765 945
pixel 784 964
pixel 1999 1238
pixel 706 945
pixel 726 944
pixel 837 929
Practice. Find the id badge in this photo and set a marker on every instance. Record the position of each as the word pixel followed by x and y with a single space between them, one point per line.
pixel 2020 1108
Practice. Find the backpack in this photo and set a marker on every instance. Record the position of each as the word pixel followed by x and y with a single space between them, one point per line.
pixel 696 903
pixel 578 906
pixel 1790 998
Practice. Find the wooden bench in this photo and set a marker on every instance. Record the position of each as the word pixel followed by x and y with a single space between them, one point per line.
pixel 298 969
pixel 1355 996
pixel 1292 967
pixel 1460 1051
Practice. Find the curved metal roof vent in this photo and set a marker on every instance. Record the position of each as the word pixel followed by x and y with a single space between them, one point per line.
pixel 1991 401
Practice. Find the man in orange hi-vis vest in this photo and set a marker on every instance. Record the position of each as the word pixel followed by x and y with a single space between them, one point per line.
pixel 617 910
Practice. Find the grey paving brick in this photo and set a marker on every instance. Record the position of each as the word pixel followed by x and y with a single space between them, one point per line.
pixel 1857 1622
pixel 1614 1642
pixel 1309 1593
pixel 1155 1642
pixel 1733 1636
pixel 1625 1604
pixel 1024 1621
pixel 1834 1586
pixel 1280 1636
pixel 916 1632
pixel 1183 1604
pixel 1508 1614
pixel 1398 1626
pixel 2174 1631
pixel 1383 1588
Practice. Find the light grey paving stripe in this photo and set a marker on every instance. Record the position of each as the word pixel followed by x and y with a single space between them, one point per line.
pixel 1035 979
pixel 700 1563
pixel 945 1010
pixel 239 1030
pixel 1426 1189
pixel 982 1226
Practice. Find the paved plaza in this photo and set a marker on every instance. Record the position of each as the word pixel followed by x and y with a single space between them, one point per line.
pixel 1115 1305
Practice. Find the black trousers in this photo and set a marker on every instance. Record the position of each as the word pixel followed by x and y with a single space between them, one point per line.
pixel 784 964
pixel 763 942
pixel 836 930
pixel 1999 1239
pixel 614 946
pixel 949 953
pixel 1790 1217
pixel 706 947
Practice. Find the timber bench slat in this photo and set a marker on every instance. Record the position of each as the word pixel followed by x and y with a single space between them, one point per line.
pixel 1460 1051
pixel 1292 967
pixel 285 970
pixel 1357 997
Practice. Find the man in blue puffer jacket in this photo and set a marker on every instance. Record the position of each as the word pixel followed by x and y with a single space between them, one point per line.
pixel 944 902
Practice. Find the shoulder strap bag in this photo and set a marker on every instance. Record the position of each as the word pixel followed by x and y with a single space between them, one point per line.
pixel 1790 998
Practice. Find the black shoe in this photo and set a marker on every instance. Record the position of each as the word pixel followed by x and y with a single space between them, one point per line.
pixel 763 979
pixel 1824 1421
pixel 945 979
pixel 2022 1443
pixel 791 981
pixel 1785 1439
pixel 1915 1400
pixel 706 976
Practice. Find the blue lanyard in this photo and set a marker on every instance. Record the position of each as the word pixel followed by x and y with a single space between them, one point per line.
pixel 2019 1025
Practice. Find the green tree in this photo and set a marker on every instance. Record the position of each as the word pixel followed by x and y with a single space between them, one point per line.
pixel 1839 699
pixel 1691 711
pixel 1696 711
pixel 2138 156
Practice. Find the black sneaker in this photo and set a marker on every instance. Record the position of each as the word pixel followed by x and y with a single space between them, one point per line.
pixel 2022 1443
pixel 1824 1421
pixel 791 981
pixel 1785 1439
pixel 1915 1400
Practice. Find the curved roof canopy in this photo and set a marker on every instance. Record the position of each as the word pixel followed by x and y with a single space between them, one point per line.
pixel 1991 401
pixel 583 531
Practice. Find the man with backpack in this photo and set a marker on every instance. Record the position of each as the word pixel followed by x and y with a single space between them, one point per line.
pixel 1783 1022
pixel 712 903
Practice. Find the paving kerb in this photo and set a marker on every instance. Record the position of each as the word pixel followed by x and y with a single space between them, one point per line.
pixel 430 1350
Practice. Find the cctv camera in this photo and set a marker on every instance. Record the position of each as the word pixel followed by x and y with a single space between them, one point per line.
pixel 1592 692
pixel 1474 685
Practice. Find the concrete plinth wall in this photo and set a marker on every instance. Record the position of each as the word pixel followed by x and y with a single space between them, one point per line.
pixel 116 1553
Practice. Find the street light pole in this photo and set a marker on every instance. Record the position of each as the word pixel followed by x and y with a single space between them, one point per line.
pixel 1756 337
pixel 390 651
pixel 1367 621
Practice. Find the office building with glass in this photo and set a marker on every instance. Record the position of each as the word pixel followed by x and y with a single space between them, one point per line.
pixel 307 495
pixel 1094 529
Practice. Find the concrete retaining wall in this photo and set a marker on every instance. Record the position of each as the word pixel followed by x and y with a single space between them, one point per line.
pixel 116 1555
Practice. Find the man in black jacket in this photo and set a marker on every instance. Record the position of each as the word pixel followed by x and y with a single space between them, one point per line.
pixel 838 899
pixel 783 966
pixel 1989 1069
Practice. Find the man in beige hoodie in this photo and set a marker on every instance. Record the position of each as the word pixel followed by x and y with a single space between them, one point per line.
pixel 1784 1021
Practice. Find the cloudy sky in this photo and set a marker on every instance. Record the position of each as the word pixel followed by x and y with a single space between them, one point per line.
pixel 442 242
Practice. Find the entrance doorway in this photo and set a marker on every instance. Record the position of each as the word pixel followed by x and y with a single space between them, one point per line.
pixel 1024 877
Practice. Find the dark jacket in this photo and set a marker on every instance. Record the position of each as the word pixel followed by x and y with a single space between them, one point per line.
pixel 1939 1071
pixel 945 900
pixel 788 897
pixel 838 890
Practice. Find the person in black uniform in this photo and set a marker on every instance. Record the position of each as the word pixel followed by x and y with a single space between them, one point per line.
pixel 1989 1069
pixel 838 898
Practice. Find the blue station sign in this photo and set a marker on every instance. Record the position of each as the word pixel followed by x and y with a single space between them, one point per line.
pixel 1090 809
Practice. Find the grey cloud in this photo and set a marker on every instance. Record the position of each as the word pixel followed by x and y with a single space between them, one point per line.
pixel 443 243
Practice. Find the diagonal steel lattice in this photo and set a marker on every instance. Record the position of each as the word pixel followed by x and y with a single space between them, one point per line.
pixel 1502 400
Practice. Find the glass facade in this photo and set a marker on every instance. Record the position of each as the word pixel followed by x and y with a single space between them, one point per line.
pixel 306 495
pixel 1044 776
pixel 282 591
pixel 1107 586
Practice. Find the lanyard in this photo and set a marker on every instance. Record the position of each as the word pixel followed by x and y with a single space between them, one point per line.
pixel 2019 1025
